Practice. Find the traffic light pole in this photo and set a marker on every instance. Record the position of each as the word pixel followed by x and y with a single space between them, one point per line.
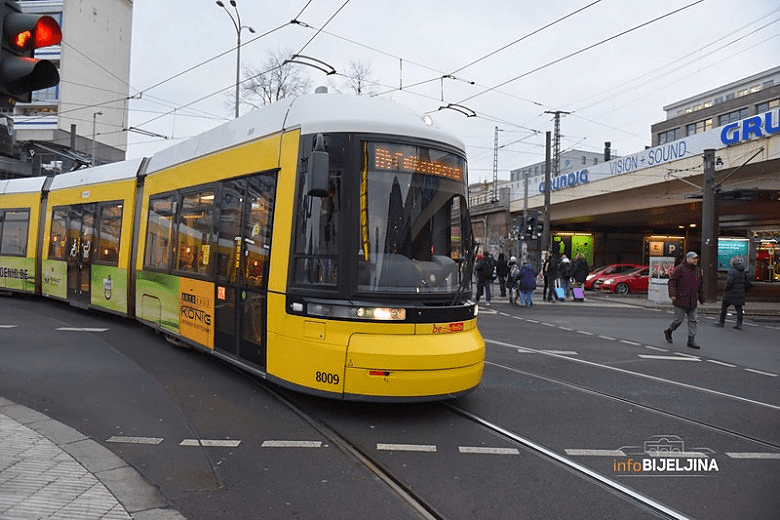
pixel 709 229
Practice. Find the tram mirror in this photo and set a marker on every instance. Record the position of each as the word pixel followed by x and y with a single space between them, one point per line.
pixel 318 169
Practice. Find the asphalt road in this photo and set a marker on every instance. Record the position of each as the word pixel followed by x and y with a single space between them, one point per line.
pixel 584 412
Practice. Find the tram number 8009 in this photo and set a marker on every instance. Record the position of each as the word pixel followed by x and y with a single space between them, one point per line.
pixel 324 377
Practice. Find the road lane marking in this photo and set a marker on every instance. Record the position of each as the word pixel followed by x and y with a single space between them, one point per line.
pixel 80 329
pixel 669 358
pixel 595 453
pixel 565 328
pixel 607 338
pixel 406 447
pixel 753 455
pixel 761 373
pixel 291 444
pixel 721 363
pixel 587 333
pixel 488 451
pixel 659 349
pixel 210 443
pixel 7 326
pixel 633 343
pixel 637 374
pixel 135 440
pixel 562 352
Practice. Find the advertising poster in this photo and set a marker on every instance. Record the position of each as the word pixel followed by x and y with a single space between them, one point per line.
pixel 55 279
pixel 17 273
pixel 196 311
pixel 729 248
pixel 660 269
pixel 109 288
pixel 157 299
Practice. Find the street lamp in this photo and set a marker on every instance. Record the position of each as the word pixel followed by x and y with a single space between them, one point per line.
pixel 237 24
pixel 94 120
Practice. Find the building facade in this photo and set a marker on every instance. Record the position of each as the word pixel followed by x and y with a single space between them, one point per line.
pixel 87 111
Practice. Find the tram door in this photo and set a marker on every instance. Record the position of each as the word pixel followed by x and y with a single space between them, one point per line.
pixel 81 242
pixel 245 232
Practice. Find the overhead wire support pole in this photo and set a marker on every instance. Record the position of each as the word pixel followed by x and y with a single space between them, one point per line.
pixel 494 197
pixel 709 228
pixel 556 158
pixel 546 234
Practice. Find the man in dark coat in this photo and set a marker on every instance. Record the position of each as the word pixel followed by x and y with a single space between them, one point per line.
pixel 686 290
pixel 502 269
pixel 734 292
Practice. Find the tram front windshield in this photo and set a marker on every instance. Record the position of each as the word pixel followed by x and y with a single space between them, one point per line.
pixel 414 223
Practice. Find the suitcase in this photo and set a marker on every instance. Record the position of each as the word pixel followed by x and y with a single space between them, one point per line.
pixel 560 293
pixel 579 296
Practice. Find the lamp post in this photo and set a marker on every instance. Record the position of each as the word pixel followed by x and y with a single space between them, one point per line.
pixel 237 24
pixel 94 120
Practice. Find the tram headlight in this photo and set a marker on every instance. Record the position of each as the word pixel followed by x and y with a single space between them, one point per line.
pixel 362 313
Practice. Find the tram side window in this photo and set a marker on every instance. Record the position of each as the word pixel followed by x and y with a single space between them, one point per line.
pixel 317 226
pixel 59 233
pixel 159 232
pixel 110 229
pixel 14 226
pixel 195 232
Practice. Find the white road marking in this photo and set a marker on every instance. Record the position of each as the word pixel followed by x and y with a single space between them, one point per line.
pixel 585 332
pixel 135 440
pixel 210 443
pixel 595 453
pixel 291 444
pixel 669 358
pixel 607 338
pixel 562 352
pixel 488 451
pixel 627 342
pixel 406 447
pixel 80 329
pixel 7 326
pixel 721 363
pixel 754 455
pixel 761 373
pixel 659 349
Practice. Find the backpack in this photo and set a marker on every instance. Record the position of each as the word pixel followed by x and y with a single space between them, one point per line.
pixel 514 272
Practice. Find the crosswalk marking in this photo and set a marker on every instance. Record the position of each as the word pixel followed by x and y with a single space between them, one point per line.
pixel 291 444
pixel 488 451
pixel 406 447
pixel 134 440
pixel 210 443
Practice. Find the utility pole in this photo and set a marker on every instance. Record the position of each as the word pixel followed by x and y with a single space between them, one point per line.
pixel 556 160
pixel 546 244
pixel 494 197
pixel 709 228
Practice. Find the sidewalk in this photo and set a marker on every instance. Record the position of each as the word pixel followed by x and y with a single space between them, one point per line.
pixel 51 471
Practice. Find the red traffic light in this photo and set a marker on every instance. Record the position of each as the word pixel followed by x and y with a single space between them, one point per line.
pixel 26 32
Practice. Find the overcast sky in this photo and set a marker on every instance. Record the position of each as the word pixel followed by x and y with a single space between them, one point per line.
pixel 553 60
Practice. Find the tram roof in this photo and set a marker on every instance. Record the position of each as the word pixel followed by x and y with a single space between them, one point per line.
pixel 313 113
pixel 28 185
pixel 105 173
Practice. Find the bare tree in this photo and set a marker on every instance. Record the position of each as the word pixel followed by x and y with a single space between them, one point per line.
pixel 277 80
pixel 358 78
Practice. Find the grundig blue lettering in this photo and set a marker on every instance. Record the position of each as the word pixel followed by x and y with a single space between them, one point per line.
pixel 756 126
pixel 566 180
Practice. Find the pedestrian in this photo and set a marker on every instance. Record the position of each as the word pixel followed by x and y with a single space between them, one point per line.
pixel 579 272
pixel 686 291
pixel 737 283
pixel 550 273
pixel 511 280
pixel 527 284
pixel 501 271
pixel 564 274
pixel 484 271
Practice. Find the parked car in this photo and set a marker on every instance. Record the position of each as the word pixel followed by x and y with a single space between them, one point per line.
pixel 630 281
pixel 600 274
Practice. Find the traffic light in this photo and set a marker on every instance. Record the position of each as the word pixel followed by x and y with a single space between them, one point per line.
pixel 530 227
pixel 20 72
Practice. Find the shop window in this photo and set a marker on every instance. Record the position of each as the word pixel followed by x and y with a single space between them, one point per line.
pixel 14 226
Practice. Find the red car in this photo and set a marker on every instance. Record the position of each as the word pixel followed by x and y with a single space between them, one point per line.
pixel 631 281
pixel 600 274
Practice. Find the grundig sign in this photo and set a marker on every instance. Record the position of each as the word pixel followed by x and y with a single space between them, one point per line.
pixel 754 127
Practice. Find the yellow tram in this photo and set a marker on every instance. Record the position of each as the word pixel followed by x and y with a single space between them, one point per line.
pixel 323 242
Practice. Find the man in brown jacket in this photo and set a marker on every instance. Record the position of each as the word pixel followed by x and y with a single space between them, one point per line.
pixel 686 290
